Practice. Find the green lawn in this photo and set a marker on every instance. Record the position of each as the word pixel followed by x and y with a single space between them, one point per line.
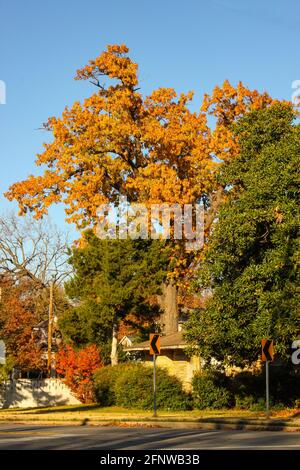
pixel 94 414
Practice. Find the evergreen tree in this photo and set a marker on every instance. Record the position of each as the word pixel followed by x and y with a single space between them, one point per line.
pixel 113 280
pixel 252 258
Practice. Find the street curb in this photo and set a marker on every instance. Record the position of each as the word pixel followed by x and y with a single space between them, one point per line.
pixel 156 423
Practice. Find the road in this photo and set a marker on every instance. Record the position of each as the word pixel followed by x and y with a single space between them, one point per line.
pixel 31 437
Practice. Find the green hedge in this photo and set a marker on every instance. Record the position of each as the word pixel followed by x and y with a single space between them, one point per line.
pixel 210 391
pixel 104 383
pixel 245 390
pixel 249 390
pixel 131 385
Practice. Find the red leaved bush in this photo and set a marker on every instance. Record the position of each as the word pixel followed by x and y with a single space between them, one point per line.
pixel 77 368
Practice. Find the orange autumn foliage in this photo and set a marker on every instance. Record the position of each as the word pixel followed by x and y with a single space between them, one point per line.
pixel 18 317
pixel 77 369
pixel 152 149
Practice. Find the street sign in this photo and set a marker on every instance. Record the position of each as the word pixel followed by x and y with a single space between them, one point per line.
pixel 267 351
pixel 154 350
pixel 267 355
pixel 154 344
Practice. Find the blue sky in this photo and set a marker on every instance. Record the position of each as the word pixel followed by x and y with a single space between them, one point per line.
pixel 186 44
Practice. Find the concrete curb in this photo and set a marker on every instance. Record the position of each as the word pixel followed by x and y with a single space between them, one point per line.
pixel 156 423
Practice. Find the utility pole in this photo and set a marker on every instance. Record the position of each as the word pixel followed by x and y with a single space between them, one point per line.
pixel 50 329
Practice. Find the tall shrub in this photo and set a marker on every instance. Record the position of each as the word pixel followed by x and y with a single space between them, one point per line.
pixel 131 386
pixel 77 369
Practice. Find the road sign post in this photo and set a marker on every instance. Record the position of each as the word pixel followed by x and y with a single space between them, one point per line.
pixel 267 355
pixel 154 351
pixel 154 386
pixel 267 390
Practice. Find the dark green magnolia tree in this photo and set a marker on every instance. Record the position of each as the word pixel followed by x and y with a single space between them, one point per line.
pixel 113 281
pixel 252 259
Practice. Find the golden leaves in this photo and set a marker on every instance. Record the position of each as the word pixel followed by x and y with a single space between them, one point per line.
pixel 112 63
pixel 151 149
pixel 227 104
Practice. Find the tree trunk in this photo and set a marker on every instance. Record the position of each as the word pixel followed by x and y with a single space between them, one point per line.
pixel 168 304
pixel 114 345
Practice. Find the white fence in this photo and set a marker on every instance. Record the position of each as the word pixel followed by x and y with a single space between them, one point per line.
pixel 27 393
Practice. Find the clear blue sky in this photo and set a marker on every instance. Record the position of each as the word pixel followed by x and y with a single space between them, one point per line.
pixel 185 44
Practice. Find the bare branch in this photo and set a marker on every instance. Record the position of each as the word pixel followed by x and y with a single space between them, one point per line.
pixel 33 249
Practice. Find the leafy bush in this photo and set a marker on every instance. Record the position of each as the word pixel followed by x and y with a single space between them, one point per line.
pixel 133 388
pixel 297 403
pixel 77 368
pixel 244 402
pixel 284 385
pixel 104 383
pixel 209 391
pixel 278 406
pixel 130 385
pixel 260 405
pixel 249 389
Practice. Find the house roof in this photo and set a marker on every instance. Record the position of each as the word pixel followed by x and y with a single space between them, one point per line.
pixel 42 324
pixel 173 341
pixel 127 339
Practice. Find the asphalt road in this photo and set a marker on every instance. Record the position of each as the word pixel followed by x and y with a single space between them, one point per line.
pixel 30 437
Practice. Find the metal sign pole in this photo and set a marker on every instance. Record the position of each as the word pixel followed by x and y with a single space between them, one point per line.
pixel 267 390
pixel 154 385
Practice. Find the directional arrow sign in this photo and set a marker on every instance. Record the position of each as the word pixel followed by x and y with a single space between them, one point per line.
pixel 267 352
pixel 154 344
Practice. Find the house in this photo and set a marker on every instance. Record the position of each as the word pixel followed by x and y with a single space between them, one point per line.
pixel 174 356
pixel 40 335
pixel 126 341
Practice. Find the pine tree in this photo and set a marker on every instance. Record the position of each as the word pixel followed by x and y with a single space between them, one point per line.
pixel 113 282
